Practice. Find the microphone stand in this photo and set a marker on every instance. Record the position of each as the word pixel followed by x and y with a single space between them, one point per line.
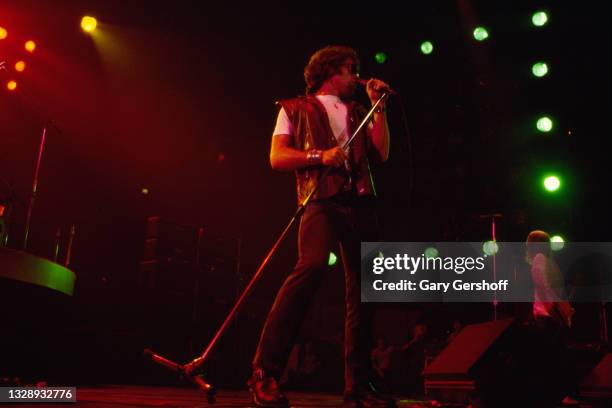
pixel 34 187
pixel 494 238
pixel 190 370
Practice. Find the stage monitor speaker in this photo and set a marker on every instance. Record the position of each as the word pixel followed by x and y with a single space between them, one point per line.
pixel 597 386
pixel 492 364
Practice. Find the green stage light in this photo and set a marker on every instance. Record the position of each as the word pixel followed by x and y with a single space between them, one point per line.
pixel 332 259
pixel 426 47
pixel 557 242
pixel 481 34
pixel 380 57
pixel 539 18
pixel 544 124
pixel 552 183
pixel 539 69
pixel 431 252
pixel 490 248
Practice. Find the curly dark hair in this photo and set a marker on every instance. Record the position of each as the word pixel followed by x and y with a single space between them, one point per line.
pixel 325 63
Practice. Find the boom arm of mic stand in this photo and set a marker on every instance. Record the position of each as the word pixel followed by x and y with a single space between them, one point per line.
pixel 190 370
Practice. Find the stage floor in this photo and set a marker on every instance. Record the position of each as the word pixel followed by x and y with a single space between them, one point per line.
pixel 124 396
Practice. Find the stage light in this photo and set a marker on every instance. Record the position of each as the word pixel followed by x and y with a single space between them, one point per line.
pixel 480 34
pixel 332 259
pixel 426 47
pixel 552 183
pixel 544 124
pixel 3 33
pixel 30 46
pixel 490 248
pixel 431 252
pixel 539 69
pixel 89 24
pixel 20 66
pixel 145 191
pixel 380 57
pixel 557 242
pixel 11 85
pixel 539 18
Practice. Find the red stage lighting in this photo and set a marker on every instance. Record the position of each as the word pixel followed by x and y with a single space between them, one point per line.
pixel 20 66
pixel 30 46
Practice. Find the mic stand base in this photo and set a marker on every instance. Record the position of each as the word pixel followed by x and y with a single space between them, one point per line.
pixel 185 372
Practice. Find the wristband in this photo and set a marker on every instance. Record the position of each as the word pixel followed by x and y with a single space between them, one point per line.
pixel 314 157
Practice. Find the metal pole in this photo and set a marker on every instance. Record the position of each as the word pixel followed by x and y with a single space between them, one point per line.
pixel 69 248
pixel 34 188
pixel 56 247
pixel 494 266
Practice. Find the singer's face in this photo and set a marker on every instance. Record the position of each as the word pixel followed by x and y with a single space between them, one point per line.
pixel 344 81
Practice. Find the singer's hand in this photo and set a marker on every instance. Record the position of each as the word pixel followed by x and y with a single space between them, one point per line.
pixel 375 88
pixel 334 157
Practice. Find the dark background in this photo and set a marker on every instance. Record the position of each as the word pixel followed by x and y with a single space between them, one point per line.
pixel 178 98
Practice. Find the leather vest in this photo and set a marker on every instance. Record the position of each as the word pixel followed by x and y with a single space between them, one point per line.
pixel 313 131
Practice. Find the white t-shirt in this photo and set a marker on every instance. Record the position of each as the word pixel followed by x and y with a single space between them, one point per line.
pixel 336 112
pixel 547 282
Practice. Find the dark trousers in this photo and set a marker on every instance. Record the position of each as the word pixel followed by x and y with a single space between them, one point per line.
pixel 555 356
pixel 348 220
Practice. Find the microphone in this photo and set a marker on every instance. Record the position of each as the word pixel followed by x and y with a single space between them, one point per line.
pixel 364 82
